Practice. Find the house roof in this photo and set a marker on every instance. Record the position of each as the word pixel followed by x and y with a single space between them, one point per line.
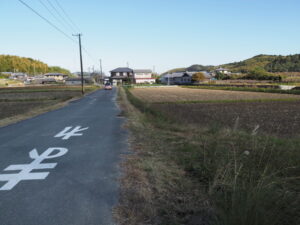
pixel 181 74
pixel 122 70
pixel 142 71
pixel 221 69
pixel 55 74
pixel 19 74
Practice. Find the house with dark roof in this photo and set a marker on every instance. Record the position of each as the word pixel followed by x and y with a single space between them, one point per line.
pixel 121 74
pixel 182 77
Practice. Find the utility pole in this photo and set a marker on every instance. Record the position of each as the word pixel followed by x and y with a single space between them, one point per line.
pixel 101 75
pixel 81 67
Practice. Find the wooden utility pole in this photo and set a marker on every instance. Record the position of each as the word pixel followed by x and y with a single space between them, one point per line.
pixel 81 67
pixel 100 60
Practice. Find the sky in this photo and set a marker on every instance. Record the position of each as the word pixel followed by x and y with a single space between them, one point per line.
pixel 147 34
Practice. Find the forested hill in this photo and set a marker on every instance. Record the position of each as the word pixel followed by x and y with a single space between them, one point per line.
pixel 192 68
pixel 9 63
pixel 271 63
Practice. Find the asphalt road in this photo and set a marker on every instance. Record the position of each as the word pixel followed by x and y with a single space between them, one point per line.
pixel 71 178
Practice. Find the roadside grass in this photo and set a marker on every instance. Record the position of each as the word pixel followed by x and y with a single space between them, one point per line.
pixel 208 175
pixel 252 89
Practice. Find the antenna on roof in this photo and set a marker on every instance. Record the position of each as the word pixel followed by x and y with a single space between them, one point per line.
pixel 128 64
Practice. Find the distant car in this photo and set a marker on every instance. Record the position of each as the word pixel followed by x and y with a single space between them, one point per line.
pixel 107 86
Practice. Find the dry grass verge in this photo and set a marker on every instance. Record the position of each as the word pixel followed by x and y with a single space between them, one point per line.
pixel 181 174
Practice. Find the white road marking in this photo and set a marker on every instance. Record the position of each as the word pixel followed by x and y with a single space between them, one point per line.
pixel 67 132
pixel 25 169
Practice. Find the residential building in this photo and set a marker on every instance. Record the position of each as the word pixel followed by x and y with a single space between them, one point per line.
pixel 56 76
pixel 73 81
pixel 223 70
pixel 121 74
pixel 18 76
pixel 181 78
pixel 143 76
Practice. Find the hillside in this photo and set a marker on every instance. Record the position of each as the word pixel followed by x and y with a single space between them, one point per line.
pixel 10 63
pixel 192 68
pixel 270 63
pixel 249 64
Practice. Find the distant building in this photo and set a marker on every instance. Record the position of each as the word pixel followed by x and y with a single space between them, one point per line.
pixel 223 70
pixel 73 81
pixel 121 74
pixel 18 76
pixel 143 76
pixel 181 78
pixel 77 81
pixel 56 76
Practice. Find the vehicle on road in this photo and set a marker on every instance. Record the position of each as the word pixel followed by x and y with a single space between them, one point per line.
pixel 108 86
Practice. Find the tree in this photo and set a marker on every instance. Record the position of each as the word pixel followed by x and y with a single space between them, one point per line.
pixel 197 77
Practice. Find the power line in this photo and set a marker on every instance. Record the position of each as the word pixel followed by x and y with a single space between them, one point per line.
pixel 50 23
pixel 55 27
pixel 67 16
pixel 57 19
pixel 59 14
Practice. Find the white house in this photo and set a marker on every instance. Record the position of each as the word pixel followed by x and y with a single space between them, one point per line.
pixel 223 70
pixel 143 76
pixel 56 76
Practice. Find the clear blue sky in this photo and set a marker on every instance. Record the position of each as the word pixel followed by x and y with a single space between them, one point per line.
pixel 164 33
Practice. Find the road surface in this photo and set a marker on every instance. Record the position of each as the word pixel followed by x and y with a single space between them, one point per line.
pixel 61 168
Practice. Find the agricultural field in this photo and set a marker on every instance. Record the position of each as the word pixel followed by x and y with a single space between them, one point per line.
pixel 210 157
pixel 277 114
pixel 23 102
pixel 161 95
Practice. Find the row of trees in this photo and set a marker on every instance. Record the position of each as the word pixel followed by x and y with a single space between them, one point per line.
pixel 9 63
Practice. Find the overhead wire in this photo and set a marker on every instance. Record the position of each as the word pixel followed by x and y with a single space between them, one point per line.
pixel 56 27
pixel 67 16
pixel 45 19
pixel 62 18
pixel 74 27
pixel 54 16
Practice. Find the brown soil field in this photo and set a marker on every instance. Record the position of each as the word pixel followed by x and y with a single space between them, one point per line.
pixel 155 95
pixel 277 118
pixel 9 109
pixel 39 95
pixel 20 103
